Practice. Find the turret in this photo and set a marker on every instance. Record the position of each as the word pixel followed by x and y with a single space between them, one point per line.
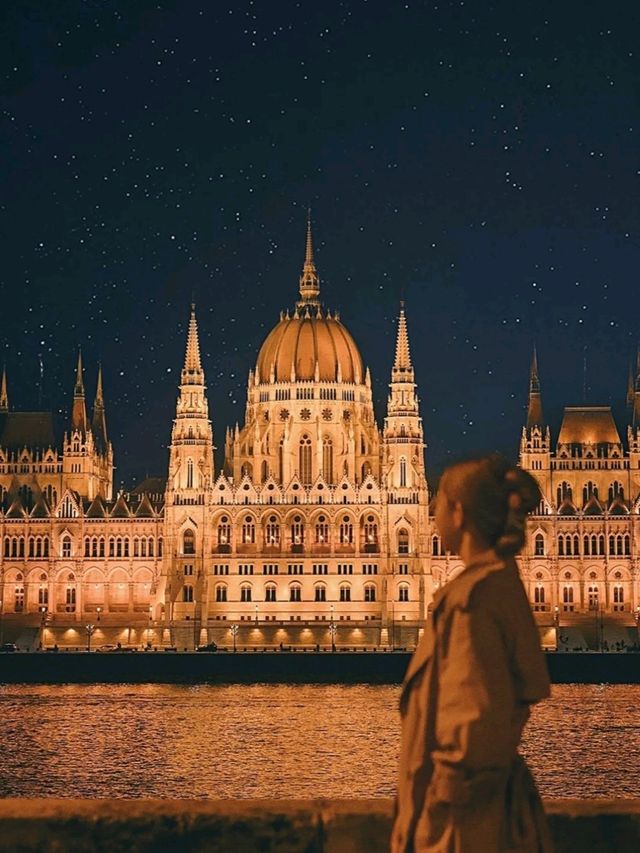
pixel 403 437
pixel 535 442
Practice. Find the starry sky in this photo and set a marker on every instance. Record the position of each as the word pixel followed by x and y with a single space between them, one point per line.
pixel 480 160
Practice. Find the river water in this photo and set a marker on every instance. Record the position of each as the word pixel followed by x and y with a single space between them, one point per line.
pixel 279 741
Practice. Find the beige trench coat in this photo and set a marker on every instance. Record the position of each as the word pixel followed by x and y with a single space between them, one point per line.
pixel 462 786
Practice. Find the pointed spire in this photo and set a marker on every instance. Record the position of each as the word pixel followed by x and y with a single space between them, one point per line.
pixel 99 424
pixel 79 410
pixel 403 356
pixel 535 416
pixel 4 398
pixel 192 363
pixel 631 387
pixel 309 281
pixel 79 389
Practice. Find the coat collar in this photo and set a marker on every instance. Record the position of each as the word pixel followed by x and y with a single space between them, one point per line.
pixel 456 593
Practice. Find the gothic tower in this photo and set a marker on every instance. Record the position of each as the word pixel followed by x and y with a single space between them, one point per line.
pixel 188 494
pixel 403 477
pixel 535 442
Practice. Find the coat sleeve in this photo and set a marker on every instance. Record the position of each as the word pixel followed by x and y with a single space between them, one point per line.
pixel 478 722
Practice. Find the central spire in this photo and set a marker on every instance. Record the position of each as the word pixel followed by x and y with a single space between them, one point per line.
pixel 4 398
pixel 309 281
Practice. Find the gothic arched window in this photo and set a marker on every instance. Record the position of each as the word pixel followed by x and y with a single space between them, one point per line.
pixel 188 542
pixel 189 473
pixel 403 471
pixel 403 541
pixel 305 460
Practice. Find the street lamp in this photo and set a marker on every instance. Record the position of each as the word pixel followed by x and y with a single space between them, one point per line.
pixel 98 611
pixel 149 626
pixel 234 632
pixel 636 616
pixel 332 631
pixel 556 625
pixel 43 612
pixel 89 629
pixel 256 614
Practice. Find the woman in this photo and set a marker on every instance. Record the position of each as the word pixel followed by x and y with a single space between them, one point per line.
pixel 463 788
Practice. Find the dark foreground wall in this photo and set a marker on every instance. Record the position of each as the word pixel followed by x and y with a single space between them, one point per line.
pixel 270 826
pixel 287 667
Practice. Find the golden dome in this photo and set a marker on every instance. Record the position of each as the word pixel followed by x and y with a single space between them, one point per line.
pixel 311 344
pixel 305 340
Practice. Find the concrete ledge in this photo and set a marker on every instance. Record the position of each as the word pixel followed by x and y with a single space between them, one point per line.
pixel 269 826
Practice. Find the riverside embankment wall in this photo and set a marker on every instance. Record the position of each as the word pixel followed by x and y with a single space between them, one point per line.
pixel 269 826
pixel 273 666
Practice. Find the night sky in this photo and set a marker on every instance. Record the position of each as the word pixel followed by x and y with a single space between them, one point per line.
pixel 479 159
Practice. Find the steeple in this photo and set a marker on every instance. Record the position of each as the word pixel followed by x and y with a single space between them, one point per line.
pixel 309 281
pixel 4 399
pixel 535 416
pixel 403 435
pixel 99 425
pixel 192 363
pixel 79 410
pixel 402 366
pixel 191 453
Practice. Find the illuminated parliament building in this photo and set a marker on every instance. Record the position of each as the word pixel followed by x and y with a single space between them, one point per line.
pixel 316 531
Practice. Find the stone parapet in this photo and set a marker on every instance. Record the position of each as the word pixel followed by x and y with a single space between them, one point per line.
pixel 272 826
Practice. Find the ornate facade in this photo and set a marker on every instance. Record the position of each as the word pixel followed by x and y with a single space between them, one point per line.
pixel 317 528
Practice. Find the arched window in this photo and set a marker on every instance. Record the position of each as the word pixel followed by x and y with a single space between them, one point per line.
pixel 295 592
pixel 436 550
pixel 618 597
pixel 281 461
pixel 188 542
pixel 188 593
pixel 567 598
pixel 224 532
pixel 370 531
pixel 612 545
pixel 70 595
pixel 345 592
pixel 370 592
pixel 627 544
pixel 564 492
pixel 65 546
pixel 403 471
pixel 322 530
pixel 601 545
pixel 272 531
pixel 305 460
pixel 43 591
pixel 245 592
pixel 346 531
pixel 538 543
pixel 594 597
pixel 264 470
pixel 18 596
pixel 297 531
pixel 590 490
pixel 189 473
pixel 538 597
pixel 403 592
pixel 320 592
pixel 403 541
pixel 327 459
pixel 221 592
pixel 616 490
pixel 561 545
pixel 248 531
pixel 150 546
pixel 94 546
pixel 270 592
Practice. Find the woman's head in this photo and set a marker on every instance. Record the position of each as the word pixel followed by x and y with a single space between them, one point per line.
pixel 487 498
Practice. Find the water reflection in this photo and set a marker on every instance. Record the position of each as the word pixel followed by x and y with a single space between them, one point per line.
pixel 277 741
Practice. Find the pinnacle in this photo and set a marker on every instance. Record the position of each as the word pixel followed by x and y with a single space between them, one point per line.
pixel 403 356
pixel 192 361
